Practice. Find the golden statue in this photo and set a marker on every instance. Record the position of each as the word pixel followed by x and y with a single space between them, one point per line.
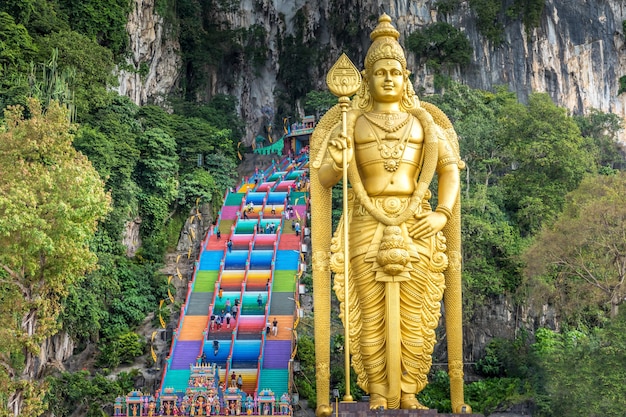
pixel 401 253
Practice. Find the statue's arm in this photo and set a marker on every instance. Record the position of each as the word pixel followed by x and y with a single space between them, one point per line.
pixel 448 178
pixel 449 184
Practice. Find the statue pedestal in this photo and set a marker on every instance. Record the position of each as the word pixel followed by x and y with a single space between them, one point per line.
pixel 361 409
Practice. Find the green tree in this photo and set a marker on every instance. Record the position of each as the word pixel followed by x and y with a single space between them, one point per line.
pixel 441 46
pixel 157 175
pixel 487 18
pixel 584 253
pixel 198 184
pixel 51 199
pixel 547 157
pixel 594 386
pixel 109 138
pixel 491 249
pixel 318 102
pixel 91 63
pixel 17 49
pixel 220 112
pixel 157 167
pixel 79 391
pixel 102 21
pixel 603 129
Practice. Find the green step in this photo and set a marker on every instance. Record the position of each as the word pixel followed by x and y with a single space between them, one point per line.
pixel 205 281
pixel 275 379
pixel 284 280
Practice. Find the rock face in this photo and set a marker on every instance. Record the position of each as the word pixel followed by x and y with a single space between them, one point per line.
pixel 153 66
pixel 575 54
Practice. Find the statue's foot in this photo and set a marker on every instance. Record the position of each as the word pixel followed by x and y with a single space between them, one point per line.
pixel 377 401
pixel 408 401
pixel 463 409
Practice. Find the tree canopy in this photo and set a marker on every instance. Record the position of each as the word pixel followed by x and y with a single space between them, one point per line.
pixel 51 199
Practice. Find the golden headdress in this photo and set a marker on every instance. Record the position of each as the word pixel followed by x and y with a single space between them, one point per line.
pixel 384 43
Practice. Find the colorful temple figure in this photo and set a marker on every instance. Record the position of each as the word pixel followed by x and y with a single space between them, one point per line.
pixel 401 253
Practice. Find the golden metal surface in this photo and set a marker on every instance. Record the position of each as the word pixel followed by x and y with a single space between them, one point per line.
pixel 402 254
pixel 343 80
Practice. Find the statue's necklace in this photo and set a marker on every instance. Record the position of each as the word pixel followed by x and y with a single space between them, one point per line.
pixel 387 121
pixel 390 154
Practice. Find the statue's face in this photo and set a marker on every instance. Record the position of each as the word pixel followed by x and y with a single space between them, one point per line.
pixel 386 80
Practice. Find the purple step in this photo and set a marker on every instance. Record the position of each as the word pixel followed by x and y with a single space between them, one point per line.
pixel 277 354
pixel 229 212
pixel 185 352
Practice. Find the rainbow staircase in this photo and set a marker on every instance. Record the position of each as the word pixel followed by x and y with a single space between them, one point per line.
pixel 259 273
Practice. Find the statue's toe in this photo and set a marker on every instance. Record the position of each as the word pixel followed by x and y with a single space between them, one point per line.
pixel 377 401
pixel 409 402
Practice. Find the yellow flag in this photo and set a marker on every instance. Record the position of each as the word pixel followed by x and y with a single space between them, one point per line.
pixel 193 233
pixel 189 254
pixel 239 153
pixel 180 276
pixel 177 258
pixel 169 293
pixel 154 356
pixel 161 320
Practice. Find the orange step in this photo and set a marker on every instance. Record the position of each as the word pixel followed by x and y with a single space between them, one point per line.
pixel 193 326
pixel 284 324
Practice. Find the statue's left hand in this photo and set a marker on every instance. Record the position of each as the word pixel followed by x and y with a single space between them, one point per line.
pixel 428 224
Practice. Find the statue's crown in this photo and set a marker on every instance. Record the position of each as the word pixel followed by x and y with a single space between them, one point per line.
pixel 385 43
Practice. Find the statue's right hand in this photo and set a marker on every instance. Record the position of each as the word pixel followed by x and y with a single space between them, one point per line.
pixel 336 147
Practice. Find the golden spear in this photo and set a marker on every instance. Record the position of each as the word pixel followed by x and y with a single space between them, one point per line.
pixel 343 81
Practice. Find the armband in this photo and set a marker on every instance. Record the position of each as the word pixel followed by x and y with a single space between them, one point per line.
pixel 444 210
pixel 447 161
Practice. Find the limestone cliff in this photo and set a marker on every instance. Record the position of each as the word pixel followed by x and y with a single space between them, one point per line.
pixel 153 65
pixel 575 53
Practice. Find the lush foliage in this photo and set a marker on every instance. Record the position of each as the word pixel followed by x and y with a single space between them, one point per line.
pixel 305 380
pixel 447 6
pixel 487 12
pixel 582 256
pixel 319 102
pixel 594 386
pixel 540 135
pixel 66 51
pixel 602 129
pixel 441 46
pixel 45 231
pixel 493 15
pixel 80 391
